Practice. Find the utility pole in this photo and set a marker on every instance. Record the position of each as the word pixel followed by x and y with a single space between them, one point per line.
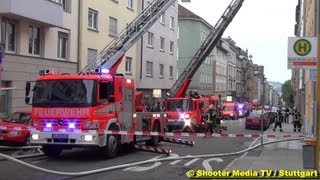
pixel 262 104
pixel 317 147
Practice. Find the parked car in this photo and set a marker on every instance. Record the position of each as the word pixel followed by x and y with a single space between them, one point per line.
pixel 15 128
pixel 254 120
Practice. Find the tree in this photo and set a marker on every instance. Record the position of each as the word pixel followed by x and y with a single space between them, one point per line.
pixel 287 93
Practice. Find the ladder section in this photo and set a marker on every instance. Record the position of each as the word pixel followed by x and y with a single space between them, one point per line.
pixel 112 53
pixel 206 47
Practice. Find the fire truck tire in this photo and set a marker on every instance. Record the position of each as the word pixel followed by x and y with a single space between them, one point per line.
pixel 113 145
pixel 154 140
pixel 51 151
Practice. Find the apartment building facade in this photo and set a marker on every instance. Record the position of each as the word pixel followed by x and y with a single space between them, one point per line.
pixel 157 61
pixel 100 22
pixel 45 38
pixel 220 73
pixel 193 30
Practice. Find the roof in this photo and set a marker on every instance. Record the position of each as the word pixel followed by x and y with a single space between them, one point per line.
pixel 184 13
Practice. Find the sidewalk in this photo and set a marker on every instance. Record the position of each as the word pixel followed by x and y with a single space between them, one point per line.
pixel 285 155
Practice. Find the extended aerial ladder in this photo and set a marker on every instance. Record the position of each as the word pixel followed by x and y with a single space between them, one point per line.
pixel 181 85
pixel 111 56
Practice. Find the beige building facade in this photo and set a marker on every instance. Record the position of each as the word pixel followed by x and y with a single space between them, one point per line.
pixel 45 38
pixel 100 22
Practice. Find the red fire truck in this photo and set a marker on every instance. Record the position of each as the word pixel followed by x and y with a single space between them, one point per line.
pixel 186 112
pixel 81 110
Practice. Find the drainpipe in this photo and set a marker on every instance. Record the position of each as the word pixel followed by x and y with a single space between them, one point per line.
pixel 79 34
pixel 141 49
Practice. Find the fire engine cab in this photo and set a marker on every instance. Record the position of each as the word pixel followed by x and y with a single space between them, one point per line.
pixel 79 110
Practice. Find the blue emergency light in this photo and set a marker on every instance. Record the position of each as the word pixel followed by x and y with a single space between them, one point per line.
pixel 101 70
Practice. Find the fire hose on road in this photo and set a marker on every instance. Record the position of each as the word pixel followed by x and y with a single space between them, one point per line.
pixel 85 173
pixel 14 155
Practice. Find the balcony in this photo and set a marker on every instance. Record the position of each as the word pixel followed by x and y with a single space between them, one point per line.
pixel 45 12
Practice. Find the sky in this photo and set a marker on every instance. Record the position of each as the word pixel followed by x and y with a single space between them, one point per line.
pixel 261 26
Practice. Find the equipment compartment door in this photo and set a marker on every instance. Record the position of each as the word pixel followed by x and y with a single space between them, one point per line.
pixel 127 114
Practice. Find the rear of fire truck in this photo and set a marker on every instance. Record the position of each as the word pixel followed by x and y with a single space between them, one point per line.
pixel 83 110
pixel 192 108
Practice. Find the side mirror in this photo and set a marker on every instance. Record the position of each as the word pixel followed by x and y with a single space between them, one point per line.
pixel 27 100
pixel 28 86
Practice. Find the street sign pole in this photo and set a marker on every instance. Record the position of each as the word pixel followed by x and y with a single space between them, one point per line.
pixel 317 148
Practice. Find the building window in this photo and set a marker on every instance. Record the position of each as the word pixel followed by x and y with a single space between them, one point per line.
pixel 66 5
pixel 162 19
pixel 130 4
pixel 128 66
pixel 34 40
pixel 161 69
pixel 149 68
pixel 171 22
pixel 62 45
pixel 171 47
pixel 170 72
pixel 162 43
pixel 150 39
pixel 92 54
pixel 93 19
pixel 8 35
pixel 113 26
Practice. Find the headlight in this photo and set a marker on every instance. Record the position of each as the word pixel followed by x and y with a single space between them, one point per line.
pixel 186 116
pixel 231 114
pixel 35 136
pixel 187 122
pixel 88 137
pixel 15 133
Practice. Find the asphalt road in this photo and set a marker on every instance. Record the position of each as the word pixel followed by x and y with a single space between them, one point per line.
pixel 79 160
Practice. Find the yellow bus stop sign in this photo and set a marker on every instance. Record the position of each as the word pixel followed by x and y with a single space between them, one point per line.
pixel 302 47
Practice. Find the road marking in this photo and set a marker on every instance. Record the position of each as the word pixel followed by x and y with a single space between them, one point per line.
pixel 141 168
pixel 176 161
pixel 206 163
pixel 236 159
pixel 190 162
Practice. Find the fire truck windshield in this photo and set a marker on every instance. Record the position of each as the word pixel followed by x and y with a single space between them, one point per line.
pixel 180 105
pixel 64 93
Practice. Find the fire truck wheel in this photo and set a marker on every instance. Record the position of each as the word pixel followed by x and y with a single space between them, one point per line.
pixel 113 145
pixel 51 151
pixel 154 140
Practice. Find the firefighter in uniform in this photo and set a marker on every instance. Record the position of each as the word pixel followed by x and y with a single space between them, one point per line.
pixel 296 120
pixel 278 121
pixel 211 119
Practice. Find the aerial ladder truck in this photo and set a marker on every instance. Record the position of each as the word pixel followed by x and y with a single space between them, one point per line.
pixel 185 113
pixel 80 110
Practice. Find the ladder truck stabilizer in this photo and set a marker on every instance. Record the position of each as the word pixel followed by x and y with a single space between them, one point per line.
pixel 152 149
pixel 110 57
pixel 182 83
pixel 178 141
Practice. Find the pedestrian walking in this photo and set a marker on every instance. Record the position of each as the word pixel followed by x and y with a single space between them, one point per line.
pixel 296 120
pixel 278 120
pixel 286 117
